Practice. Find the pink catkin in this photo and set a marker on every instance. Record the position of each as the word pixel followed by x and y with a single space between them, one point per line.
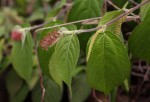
pixel 16 35
pixel 49 40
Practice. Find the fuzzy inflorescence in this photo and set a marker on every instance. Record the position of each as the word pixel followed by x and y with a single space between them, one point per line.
pixel 49 40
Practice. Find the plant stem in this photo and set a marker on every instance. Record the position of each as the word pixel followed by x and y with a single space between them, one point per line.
pixel 40 72
pixel 116 7
pixel 112 4
pixel 51 19
pixel 94 95
pixel 129 18
pixel 104 8
pixel 133 2
pixel 85 20
pixel 99 27
pixel 127 13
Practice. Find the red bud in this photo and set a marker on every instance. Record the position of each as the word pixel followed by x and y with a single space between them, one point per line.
pixel 16 35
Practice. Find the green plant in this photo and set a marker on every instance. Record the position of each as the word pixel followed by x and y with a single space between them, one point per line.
pixel 56 48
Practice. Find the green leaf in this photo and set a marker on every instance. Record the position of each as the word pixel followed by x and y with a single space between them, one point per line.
pixel 13 83
pixel 114 27
pixel 2 30
pixel 53 12
pixel 140 39
pixel 119 3
pixel 108 65
pixel 52 91
pixel 16 87
pixel 80 88
pixel 1 49
pixel 1 18
pixel 83 38
pixel 83 9
pixel 146 18
pixel 64 59
pixel 44 57
pixel 36 15
pixel 34 78
pixel 21 95
pixel 113 95
pixel 22 57
pixel 5 63
pixel 78 70
pixel 144 10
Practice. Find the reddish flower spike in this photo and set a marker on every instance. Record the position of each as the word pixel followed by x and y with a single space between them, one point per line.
pixel 16 35
pixel 49 40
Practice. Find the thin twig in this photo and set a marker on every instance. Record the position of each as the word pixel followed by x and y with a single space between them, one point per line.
pixel 139 90
pixel 99 27
pixel 146 76
pixel 104 9
pixel 112 4
pixel 40 72
pixel 85 20
pixel 95 97
pixel 51 19
pixel 129 11
pixel 67 6
pixel 137 74
pixel 128 19
pixel 117 18
pixel 140 66
pixel 116 7
pixel 133 2
pixel 137 67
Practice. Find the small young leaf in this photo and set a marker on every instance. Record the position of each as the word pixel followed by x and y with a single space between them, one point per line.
pixel 116 26
pixel 144 10
pixel 108 65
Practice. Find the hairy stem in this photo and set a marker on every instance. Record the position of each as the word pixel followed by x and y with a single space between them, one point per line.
pixel 99 27
pixel 129 11
pixel 85 20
